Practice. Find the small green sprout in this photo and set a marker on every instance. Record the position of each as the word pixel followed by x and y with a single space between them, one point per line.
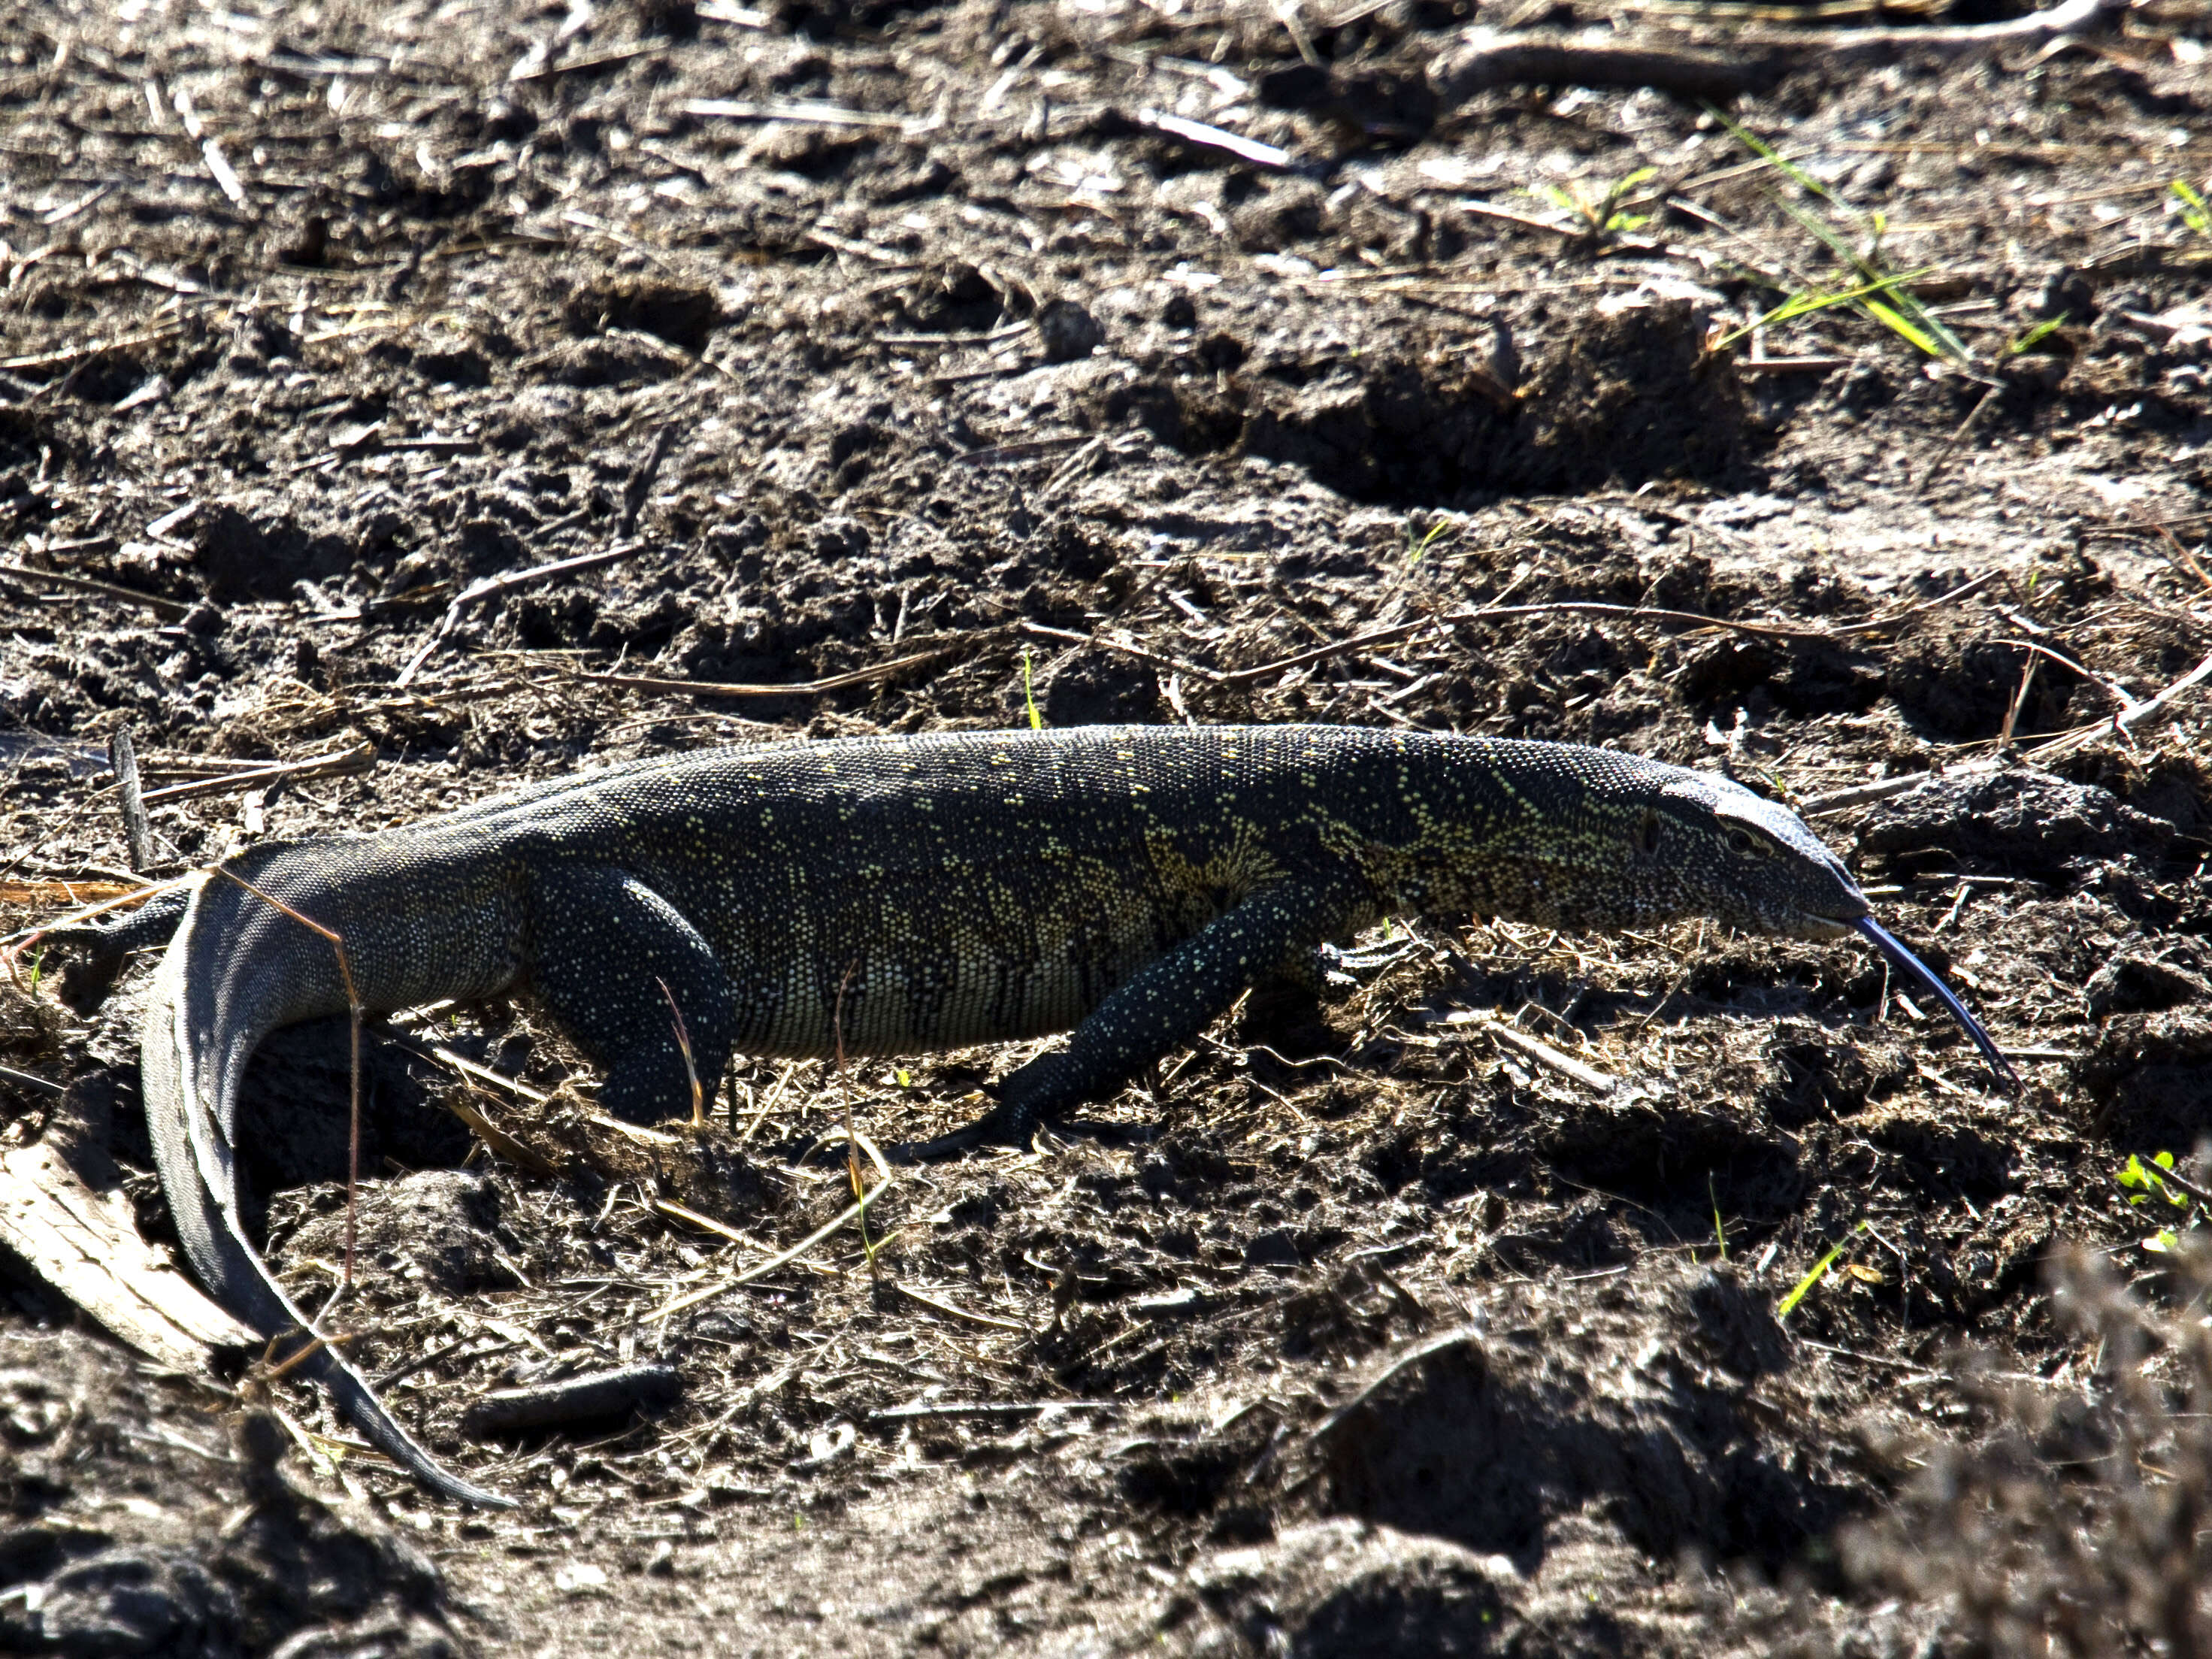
pixel 2030 338
pixel 2151 1180
pixel 1603 215
pixel 1029 694
pixel 1720 1232
pixel 1418 546
pixel 38 965
pixel 2194 212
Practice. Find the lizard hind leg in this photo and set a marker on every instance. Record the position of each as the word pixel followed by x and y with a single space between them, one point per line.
pixel 602 944
pixel 1166 1003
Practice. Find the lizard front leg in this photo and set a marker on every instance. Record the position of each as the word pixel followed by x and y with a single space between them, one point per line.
pixel 603 944
pixel 85 979
pixel 1166 1003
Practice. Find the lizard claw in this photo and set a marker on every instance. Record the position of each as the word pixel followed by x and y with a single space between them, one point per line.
pixel 1000 1127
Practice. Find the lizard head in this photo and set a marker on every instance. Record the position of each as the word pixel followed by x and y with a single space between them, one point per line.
pixel 1744 861
pixel 1754 864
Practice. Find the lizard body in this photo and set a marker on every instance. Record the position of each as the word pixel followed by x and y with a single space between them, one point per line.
pixel 1127 882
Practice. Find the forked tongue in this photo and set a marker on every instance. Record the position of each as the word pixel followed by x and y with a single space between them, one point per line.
pixel 1893 948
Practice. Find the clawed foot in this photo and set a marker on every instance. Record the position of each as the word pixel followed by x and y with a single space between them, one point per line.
pixel 998 1127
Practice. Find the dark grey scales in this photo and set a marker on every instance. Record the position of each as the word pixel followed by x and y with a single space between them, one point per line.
pixel 1129 882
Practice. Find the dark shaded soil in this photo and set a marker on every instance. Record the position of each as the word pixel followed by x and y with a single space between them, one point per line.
pixel 1362 1330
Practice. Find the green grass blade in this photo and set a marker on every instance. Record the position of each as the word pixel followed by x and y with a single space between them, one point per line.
pixel 1896 322
pixel 1801 305
pixel 1789 1303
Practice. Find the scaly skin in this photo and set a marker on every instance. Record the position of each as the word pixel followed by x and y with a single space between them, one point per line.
pixel 1129 882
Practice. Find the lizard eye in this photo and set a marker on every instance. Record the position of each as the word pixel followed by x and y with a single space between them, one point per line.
pixel 1744 842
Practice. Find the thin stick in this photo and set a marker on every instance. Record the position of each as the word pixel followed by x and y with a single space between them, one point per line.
pixel 314 766
pixel 2012 709
pixel 768 1105
pixel 2182 556
pixel 1249 150
pixel 845 1099
pixel 882 670
pixel 138 832
pixel 693 1298
pixel 1544 1054
pixel 1943 455
pixel 14 943
pixel 705 1224
pixel 92 348
pixel 155 603
pixel 798 111
pixel 683 1048
pixel 2073 667
pixel 317 1341
pixel 2128 718
pixel 953 1311
pixel 640 484
pixel 1126 647
pixel 352 1001
pixel 492 587
pixel 1586 608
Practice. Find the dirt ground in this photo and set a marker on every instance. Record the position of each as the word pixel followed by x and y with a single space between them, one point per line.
pixel 1000 361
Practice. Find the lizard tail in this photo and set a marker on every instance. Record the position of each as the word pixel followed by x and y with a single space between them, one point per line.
pixel 203 1018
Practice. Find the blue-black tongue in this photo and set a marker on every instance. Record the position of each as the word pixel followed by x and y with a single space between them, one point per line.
pixel 1893 948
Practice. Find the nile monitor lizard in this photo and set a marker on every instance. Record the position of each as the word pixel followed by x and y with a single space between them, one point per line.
pixel 1129 882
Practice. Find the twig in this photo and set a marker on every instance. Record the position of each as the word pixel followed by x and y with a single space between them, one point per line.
pixel 314 766
pixel 1573 607
pixel 804 112
pixel 138 832
pixel 492 587
pixel 693 1298
pixel 998 453
pixel 159 606
pixel 1950 444
pixel 768 1103
pixel 1525 221
pixel 2128 718
pixel 640 484
pixel 1250 150
pixel 2182 556
pixel 1126 647
pixel 927 1409
pixel 705 1224
pixel 954 1311
pixel 1566 1065
pixel 1746 61
pixel 2174 1178
pixel 479 1124
pixel 92 349
pixel 605 60
pixel 882 670
pixel 2071 666
pixel 2012 717
pixel 683 1048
